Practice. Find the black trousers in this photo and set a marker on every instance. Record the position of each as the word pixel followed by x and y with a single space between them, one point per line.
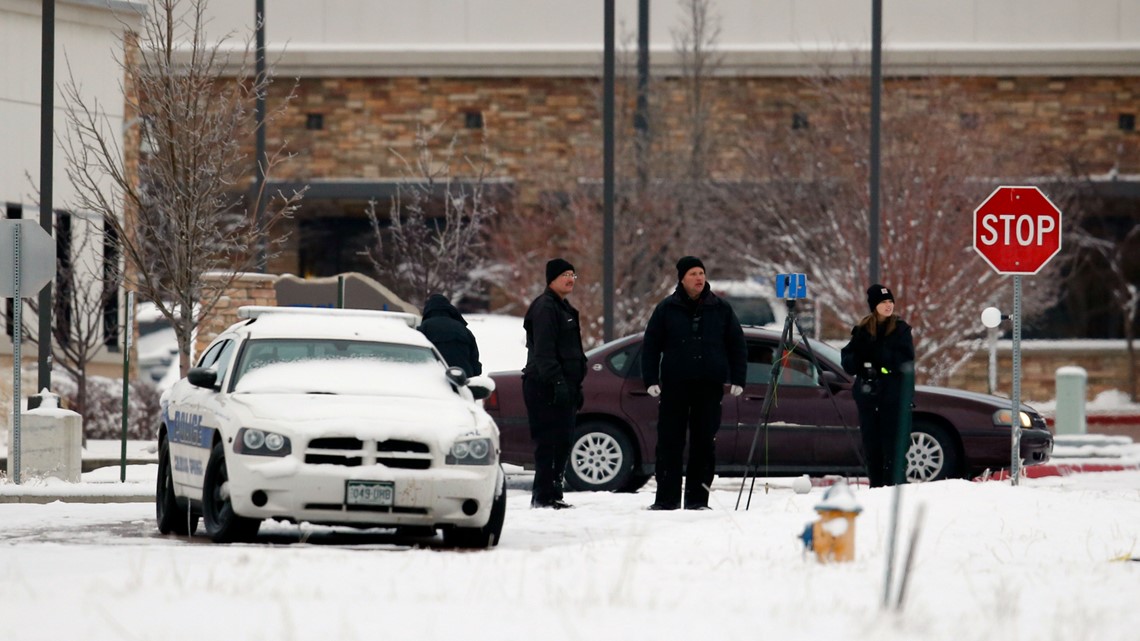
pixel 879 429
pixel 692 409
pixel 551 427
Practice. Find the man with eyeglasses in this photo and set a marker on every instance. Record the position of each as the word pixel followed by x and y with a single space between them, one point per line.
pixel 552 381
pixel 693 346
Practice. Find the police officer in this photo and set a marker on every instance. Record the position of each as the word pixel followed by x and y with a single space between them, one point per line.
pixel 552 381
pixel 880 344
pixel 693 345
pixel 445 327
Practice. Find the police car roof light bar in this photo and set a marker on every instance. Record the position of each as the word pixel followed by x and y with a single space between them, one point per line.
pixel 255 311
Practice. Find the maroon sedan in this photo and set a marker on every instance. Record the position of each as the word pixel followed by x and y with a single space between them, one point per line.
pixel 813 427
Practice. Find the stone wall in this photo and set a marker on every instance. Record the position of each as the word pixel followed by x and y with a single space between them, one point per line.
pixel 245 289
pixel 1105 361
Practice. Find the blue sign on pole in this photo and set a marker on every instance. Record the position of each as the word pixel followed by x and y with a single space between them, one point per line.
pixel 791 286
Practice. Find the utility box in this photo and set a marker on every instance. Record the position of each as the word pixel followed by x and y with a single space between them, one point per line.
pixel 51 444
pixel 1072 382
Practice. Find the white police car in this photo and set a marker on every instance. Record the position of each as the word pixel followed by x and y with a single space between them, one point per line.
pixel 339 417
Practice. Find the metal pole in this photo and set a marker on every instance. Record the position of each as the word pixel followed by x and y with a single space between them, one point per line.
pixel 260 158
pixel 608 176
pixel 340 292
pixel 128 334
pixel 641 116
pixel 17 355
pixel 876 91
pixel 1015 416
pixel 47 135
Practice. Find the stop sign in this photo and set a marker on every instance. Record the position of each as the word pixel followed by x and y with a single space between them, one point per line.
pixel 1017 230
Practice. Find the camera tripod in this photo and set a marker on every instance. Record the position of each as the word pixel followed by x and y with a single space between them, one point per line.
pixel 786 348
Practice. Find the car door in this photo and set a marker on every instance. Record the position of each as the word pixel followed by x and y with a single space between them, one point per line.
pixel 643 409
pixel 785 440
pixel 193 419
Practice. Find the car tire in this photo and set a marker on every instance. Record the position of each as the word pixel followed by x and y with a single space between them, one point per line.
pixel 932 455
pixel 478 538
pixel 172 518
pixel 222 524
pixel 601 459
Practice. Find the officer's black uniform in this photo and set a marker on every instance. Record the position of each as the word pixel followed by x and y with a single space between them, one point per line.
pixel 444 326
pixel 552 387
pixel 691 349
pixel 875 355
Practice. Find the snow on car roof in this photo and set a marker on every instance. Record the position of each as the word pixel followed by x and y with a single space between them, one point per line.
pixel 305 322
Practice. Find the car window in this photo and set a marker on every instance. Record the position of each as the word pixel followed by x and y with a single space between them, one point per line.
pixel 211 355
pixel 796 369
pixel 260 353
pixel 222 365
pixel 626 362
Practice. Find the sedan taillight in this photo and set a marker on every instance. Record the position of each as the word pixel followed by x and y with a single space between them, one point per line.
pixel 492 401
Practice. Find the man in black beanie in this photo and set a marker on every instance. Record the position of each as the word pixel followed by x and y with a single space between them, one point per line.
pixel 693 346
pixel 552 381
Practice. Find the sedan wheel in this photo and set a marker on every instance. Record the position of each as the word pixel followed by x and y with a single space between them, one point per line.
pixel 222 524
pixel 601 458
pixel 931 456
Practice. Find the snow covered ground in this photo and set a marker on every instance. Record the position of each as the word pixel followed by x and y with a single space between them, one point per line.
pixel 1043 561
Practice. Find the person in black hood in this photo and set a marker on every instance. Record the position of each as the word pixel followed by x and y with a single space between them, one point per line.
pixel 552 381
pixel 693 346
pixel 445 327
pixel 880 344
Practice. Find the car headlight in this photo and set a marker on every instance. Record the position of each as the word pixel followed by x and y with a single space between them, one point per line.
pixel 475 451
pixel 1001 417
pixel 257 442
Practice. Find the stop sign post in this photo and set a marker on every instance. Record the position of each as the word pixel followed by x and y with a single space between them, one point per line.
pixel 1017 230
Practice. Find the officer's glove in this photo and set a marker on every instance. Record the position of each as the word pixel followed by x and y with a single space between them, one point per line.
pixel 654 391
pixel 736 390
pixel 561 395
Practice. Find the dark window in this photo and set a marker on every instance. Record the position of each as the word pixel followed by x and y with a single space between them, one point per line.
pixel 799 121
pixel 315 122
pixel 62 299
pixel 473 119
pixel 1127 122
pixel 627 361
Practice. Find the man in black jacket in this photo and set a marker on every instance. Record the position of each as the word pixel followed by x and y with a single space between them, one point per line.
pixel 693 345
pixel 552 381
pixel 444 326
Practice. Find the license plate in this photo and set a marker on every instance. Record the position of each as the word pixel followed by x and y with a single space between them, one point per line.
pixel 372 493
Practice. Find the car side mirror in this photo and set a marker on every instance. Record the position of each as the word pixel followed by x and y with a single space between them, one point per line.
pixel 481 386
pixel 202 377
pixel 834 381
pixel 457 376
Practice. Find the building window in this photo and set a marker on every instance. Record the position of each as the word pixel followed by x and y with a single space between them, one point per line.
pixel 1127 122
pixel 315 122
pixel 473 119
pixel 65 280
pixel 799 121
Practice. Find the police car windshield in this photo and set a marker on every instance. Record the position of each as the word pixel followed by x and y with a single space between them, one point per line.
pixel 266 353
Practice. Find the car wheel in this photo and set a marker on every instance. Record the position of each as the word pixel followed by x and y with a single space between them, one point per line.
pixel 932 455
pixel 601 458
pixel 172 518
pixel 222 524
pixel 488 535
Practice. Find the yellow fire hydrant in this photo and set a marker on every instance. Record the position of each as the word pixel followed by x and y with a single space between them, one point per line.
pixel 832 537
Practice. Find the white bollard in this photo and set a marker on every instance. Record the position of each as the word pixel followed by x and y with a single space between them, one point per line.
pixel 1071 384
pixel 51 443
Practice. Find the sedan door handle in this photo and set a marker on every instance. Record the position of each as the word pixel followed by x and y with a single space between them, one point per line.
pixel 753 397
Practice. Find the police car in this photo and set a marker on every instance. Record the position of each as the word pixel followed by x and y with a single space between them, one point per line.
pixel 338 417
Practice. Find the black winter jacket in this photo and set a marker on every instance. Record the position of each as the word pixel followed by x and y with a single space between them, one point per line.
pixel 445 328
pixel 554 342
pixel 689 340
pixel 882 351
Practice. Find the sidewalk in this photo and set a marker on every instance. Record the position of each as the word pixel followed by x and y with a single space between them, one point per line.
pixel 100 480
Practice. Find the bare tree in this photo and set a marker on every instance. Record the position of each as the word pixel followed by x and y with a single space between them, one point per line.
pixel 665 197
pixel 179 212
pixel 438 223
pixel 810 209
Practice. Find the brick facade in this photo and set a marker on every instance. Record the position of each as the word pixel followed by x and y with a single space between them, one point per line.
pixel 1105 361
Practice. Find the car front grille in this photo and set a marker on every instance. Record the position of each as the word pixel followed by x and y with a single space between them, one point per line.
pixel 354 452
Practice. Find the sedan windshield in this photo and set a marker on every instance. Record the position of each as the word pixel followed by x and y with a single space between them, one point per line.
pixel 328 366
